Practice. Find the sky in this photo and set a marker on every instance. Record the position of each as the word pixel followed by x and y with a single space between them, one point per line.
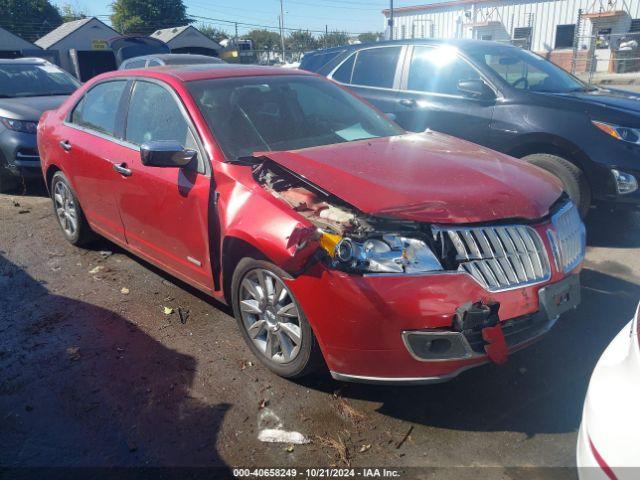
pixel 353 16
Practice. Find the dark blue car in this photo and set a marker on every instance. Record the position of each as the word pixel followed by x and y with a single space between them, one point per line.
pixel 505 98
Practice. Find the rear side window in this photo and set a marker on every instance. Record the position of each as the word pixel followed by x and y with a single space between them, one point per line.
pixel 98 108
pixel 155 115
pixel 376 67
pixel 438 70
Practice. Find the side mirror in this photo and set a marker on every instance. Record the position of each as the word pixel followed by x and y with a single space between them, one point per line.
pixel 475 89
pixel 165 154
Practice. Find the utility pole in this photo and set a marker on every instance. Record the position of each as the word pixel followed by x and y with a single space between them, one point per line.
pixel 326 35
pixel 235 40
pixel 282 29
pixel 391 20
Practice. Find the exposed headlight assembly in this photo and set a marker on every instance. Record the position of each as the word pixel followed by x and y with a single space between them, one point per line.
pixel 389 253
pixel 19 125
pixel 626 134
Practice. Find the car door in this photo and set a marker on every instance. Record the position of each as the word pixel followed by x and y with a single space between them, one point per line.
pixel 88 142
pixel 165 210
pixel 430 94
pixel 373 74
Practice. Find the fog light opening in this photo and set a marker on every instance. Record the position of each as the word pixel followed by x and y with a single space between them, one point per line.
pixel 438 345
pixel 625 182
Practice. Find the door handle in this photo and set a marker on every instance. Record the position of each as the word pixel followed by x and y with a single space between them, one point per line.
pixel 66 146
pixel 122 169
pixel 408 102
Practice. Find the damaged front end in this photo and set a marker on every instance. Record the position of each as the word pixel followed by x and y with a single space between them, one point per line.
pixel 350 240
pixel 500 258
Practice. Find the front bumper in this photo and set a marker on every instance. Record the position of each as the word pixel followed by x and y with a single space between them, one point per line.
pixel 19 154
pixel 360 320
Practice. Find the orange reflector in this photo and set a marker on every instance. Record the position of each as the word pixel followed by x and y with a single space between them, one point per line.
pixel 608 129
pixel 328 242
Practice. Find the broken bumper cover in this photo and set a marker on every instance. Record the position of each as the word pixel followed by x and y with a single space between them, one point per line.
pixel 367 325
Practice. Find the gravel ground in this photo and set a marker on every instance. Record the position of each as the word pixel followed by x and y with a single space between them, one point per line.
pixel 94 372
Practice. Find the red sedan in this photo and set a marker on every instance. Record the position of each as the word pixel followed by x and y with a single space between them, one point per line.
pixel 338 238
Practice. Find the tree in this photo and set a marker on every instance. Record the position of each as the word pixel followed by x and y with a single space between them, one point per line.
pixel 301 41
pixel 369 37
pixel 263 39
pixel 71 13
pixel 334 39
pixel 146 16
pixel 213 33
pixel 29 19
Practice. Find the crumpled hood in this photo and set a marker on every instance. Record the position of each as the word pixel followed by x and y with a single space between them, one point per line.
pixel 427 177
pixel 29 108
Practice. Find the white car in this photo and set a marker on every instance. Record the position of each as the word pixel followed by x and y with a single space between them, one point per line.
pixel 609 437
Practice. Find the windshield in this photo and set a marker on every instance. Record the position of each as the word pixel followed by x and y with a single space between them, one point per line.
pixel 31 80
pixel 527 71
pixel 250 114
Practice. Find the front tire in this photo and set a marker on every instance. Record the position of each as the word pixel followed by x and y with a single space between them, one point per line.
pixel 70 216
pixel 572 177
pixel 271 320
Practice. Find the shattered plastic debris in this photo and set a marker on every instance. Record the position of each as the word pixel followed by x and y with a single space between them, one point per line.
pixel 275 435
pixel 95 270
pixel 167 310
pixel 124 291
pixel 106 253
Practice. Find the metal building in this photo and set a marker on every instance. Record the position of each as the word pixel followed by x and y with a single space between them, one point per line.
pixel 563 30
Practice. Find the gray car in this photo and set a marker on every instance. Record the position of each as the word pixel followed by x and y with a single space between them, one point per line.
pixel 28 87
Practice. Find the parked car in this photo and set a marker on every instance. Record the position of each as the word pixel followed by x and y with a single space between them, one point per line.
pixel 159 60
pixel 609 436
pixel 28 87
pixel 332 233
pixel 507 99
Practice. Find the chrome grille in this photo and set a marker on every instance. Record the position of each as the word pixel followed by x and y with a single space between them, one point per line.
pixel 567 238
pixel 500 257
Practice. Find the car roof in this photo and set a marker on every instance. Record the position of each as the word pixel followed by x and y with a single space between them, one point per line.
pixel 189 73
pixel 463 44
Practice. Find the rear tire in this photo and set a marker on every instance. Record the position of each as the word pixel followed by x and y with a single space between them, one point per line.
pixel 74 225
pixel 259 305
pixel 572 177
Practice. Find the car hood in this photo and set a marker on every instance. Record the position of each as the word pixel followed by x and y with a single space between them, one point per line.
pixel 29 108
pixel 427 177
pixel 609 98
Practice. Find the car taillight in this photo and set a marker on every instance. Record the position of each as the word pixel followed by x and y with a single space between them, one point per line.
pixel 606 469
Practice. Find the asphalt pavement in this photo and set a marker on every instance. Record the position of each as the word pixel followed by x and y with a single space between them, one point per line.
pixel 95 371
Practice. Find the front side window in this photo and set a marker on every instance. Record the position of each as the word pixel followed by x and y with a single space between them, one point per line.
pixel 376 67
pixel 34 80
pixel 527 71
pixel 252 114
pixel 154 115
pixel 98 108
pixel 438 70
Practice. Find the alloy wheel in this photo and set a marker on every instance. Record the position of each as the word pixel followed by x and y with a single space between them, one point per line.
pixel 270 315
pixel 66 208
